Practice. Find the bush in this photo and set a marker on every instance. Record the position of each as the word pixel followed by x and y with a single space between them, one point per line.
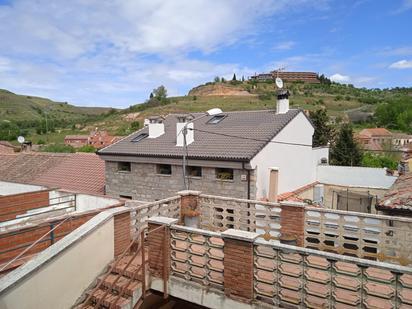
pixel 41 142
pixel 373 160
pixel 135 125
pixel 58 148
pixel 86 148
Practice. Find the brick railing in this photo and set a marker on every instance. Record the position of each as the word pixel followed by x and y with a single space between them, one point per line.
pixel 248 269
pixel 375 237
pixel 139 214
pixel 197 255
pixel 288 276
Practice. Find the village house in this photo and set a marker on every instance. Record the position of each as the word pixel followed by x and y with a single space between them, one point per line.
pixel 306 77
pixel 97 138
pixel 230 154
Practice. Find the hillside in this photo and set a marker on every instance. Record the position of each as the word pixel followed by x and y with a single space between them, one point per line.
pixel 342 102
pixel 21 108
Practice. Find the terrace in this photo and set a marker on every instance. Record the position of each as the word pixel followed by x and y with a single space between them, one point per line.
pixel 221 252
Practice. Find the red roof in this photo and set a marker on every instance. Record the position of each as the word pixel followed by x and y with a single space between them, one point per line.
pixel 292 196
pixel 372 132
pixel 82 172
pixel 399 197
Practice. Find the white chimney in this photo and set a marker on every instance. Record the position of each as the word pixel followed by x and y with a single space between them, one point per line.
pixel 273 184
pixel 156 127
pixel 183 121
pixel 282 104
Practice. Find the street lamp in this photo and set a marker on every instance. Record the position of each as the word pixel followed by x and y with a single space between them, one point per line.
pixel 210 112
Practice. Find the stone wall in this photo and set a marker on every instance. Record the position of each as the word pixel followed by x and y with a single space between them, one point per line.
pixel 143 182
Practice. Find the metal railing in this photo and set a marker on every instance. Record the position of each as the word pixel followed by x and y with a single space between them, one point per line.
pixel 219 213
pixel 31 245
pixel 375 237
pixel 197 255
pixel 288 276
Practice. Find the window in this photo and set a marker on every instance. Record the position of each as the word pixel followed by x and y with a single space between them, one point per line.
pixel 216 119
pixel 194 171
pixel 164 169
pixel 127 197
pixel 139 137
pixel 124 166
pixel 224 173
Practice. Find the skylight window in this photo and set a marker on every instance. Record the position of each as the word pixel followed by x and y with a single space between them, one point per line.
pixel 139 137
pixel 216 119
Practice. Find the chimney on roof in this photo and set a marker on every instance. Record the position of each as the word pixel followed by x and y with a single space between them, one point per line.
pixel 156 127
pixel 182 122
pixel 282 104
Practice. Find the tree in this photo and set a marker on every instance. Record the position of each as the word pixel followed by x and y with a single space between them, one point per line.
pixel 86 148
pixel 234 77
pixel 160 93
pixel 151 95
pixel 223 80
pixel 217 79
pixel 323 130
pixel 345 150
pixel 373 160
pixel 243 78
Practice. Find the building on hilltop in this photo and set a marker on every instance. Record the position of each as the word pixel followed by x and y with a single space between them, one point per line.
pixel 307 77
pixel 230 154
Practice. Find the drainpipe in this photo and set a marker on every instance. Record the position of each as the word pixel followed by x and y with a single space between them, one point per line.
pixel 248 179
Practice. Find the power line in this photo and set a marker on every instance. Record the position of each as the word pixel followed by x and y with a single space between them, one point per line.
pixel 278 142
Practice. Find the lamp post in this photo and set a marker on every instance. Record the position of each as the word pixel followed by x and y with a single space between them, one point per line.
pixel 210 112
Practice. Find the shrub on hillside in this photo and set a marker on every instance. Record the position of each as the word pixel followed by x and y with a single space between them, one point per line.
pixel 58 148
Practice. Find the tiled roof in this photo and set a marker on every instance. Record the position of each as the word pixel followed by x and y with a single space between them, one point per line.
pixel 239 136
pixel 76 137
pixel 82 172
pixel 25 167
pixel 293 195
pixel 79 172
pixel 399 197
pixel 375 132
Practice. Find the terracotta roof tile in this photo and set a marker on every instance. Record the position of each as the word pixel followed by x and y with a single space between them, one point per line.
pixel 399 197
pixel 84 172
pixel 375 132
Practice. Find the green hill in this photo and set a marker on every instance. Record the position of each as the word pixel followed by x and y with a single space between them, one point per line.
pixel 23 108
pixel 343 103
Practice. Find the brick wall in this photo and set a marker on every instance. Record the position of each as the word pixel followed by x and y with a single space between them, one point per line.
pixel 238 266
pixel 144 184
pixel 13 243
pixel 292 220
pixel 155 241
pixel 21 203
pixel 122 237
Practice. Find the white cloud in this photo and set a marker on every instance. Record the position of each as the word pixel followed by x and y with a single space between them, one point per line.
pixel 284 45
pixel 107 52
pixel 339 78
pixel 402 64
pixel 406 5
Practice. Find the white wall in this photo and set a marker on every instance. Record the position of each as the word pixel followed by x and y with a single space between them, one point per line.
pixel 9 188
pixel 57 278
pixel 354 176
pixel 296 164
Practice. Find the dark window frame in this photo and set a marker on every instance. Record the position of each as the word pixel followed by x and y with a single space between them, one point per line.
pixel 192 169
pixel 160 168
pixel 223 173
pixel 127 167
pixel 139 137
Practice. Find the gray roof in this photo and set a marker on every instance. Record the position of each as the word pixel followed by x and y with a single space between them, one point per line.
pixel 238 137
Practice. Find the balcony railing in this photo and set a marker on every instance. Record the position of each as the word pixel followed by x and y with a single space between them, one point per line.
pixel 197 255
pixel 374 237
pixel 219 213
pixel 292 276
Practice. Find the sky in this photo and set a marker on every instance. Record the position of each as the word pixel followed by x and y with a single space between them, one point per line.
pixel 113 53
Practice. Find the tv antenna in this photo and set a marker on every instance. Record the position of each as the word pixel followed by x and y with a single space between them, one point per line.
pixel 21 139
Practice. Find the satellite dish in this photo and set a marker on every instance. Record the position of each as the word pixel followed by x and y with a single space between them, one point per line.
pixel 21 139
pixel 279 82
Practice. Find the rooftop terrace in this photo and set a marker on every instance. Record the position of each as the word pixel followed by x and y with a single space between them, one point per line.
pixel 236 256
